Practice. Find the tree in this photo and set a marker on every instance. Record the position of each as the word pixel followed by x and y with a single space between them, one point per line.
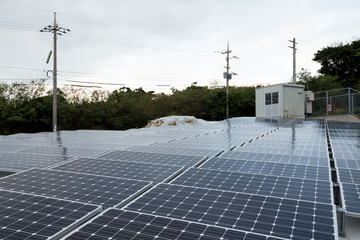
pixel 341 61
pixel 317 83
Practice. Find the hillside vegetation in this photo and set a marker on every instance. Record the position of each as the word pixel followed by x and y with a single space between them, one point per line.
pixel 27 108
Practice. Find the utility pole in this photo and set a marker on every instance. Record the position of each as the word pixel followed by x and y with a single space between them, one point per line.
pixel 227 76
pixel 56 30
pixel 294 59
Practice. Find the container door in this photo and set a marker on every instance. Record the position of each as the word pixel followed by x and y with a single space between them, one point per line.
pixel 272 104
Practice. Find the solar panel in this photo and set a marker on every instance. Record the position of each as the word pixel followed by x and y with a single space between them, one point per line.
pixel 64 151
pixel 264 147
pixel 120 224
pixel 176 151
pixel 153 158
pixel 100 190
pixel 284 187
pixel 351 198
pixel 350 155
pixel 268 168
pixel 5 147
pixel 25 216
pixel 349 175
pixel 14 162
pixel 268 157
pixel 278 217
pixel 347 163
pixel 129 170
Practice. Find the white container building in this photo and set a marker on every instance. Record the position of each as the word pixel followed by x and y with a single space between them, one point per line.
pixel 281 100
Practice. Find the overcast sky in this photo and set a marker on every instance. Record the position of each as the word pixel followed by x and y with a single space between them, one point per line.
pixel 152 43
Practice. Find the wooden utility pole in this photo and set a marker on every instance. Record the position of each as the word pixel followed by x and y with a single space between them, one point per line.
pixel 56 30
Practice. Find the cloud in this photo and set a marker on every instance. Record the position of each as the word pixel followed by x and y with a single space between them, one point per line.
pixel 173 41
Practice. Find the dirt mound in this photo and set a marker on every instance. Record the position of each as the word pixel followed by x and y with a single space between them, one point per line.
pixel 179 121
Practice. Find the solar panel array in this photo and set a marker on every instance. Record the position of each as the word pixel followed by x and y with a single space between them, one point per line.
pixel 345 142
pixel 242 178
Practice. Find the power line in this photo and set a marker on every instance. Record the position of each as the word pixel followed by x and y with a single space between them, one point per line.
pixel 62 75
pixel 21 68
pixel 115 84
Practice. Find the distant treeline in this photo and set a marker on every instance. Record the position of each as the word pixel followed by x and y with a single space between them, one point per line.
pixel 27 108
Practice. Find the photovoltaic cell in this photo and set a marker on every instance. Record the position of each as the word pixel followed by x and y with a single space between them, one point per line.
pixel 277 217
pixel 153 158
pixel 25 216
pixel 351 198
pixel 269 168
pixel 130 170
pixel 100 190
pixel 120 224
pixel 284 187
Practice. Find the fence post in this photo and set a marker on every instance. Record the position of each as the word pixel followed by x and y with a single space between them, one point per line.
pixel 352 104
pixel 349 100
pixel 327 103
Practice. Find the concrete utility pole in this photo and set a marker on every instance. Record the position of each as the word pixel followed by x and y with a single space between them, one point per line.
pixel 294 59
pixel 227 76
pixel 56 30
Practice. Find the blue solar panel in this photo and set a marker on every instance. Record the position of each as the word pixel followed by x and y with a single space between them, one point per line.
pixel 176 151
pixel 26 216
pixel 349 175
pixel 277 158
pixel 351 198
pixel 129 170
pixel 15 162
pixel 271 216
pixel 120 224
pixel 293 188
pixel 100 190
pixel 153 158
pixel 64 151
pixel 269 168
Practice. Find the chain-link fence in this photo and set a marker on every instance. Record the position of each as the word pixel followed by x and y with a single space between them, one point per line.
pixel 336 102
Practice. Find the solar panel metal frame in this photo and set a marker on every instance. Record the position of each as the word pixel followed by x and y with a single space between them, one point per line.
pixel 65 230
